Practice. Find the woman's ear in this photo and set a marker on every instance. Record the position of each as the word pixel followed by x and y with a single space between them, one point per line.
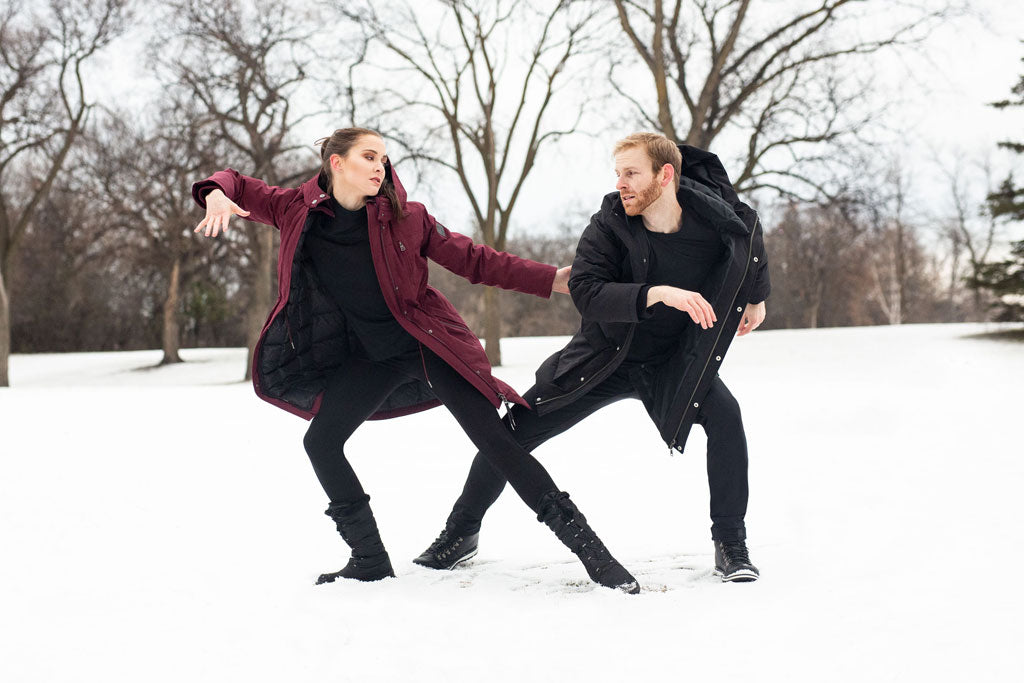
pixel 336 162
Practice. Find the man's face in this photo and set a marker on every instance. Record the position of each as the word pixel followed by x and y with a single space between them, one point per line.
pixel 638 185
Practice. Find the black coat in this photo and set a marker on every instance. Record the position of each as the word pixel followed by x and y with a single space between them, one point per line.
pixel 608 273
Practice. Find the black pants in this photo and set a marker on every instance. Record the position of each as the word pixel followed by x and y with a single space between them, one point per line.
pixel 719 415
pixel 360 386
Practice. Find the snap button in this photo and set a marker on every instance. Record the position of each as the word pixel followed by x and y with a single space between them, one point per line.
pixel 696 405
pixel 323 195
pixel 430 332
pixel 755 259
pixel 314 201
pixel 581 379
pixel 739 310
pixel 718 358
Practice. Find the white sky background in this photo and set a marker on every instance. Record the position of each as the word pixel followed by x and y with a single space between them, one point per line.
pixel 937 112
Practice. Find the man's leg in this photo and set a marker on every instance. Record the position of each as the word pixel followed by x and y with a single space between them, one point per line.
pixel 727 480
pixel 727 462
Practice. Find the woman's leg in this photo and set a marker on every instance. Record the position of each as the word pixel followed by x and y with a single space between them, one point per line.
pixel 484 484
pixel 354 392
pixel 481 423
pixel 531 481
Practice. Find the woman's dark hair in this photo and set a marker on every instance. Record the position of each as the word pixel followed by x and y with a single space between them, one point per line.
pixel 340 142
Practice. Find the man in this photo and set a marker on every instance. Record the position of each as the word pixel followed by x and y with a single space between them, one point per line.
pixel 667 272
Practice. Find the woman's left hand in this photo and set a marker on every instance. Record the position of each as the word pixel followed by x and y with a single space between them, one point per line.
pixel 752 317
pixel 561 283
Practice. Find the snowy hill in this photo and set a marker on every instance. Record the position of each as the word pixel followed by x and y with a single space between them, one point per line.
pixel 165 525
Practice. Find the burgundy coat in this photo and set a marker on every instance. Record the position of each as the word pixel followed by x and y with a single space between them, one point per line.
pixel 305 338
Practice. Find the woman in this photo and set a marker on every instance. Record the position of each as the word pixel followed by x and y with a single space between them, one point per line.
pixel 358 334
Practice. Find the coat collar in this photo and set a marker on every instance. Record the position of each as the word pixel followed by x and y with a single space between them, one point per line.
pixel 314 191
pixel 699 198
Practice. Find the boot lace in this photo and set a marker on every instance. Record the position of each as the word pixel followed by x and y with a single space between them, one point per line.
pixel 445 544
pixel 736 552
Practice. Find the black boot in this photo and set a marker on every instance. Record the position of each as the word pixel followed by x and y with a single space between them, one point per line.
pixel 369 561
pixel 456 544
pixel 732 562
pixel 569 524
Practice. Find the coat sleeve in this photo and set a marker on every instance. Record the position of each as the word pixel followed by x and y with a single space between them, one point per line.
pixel 481 264
pixel 596 283
pixel 265 204
pixel 762 281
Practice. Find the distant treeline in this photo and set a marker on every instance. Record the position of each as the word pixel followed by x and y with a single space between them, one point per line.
pixel 96 243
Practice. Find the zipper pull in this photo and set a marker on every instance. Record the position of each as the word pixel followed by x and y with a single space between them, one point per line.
pixel 400 245
pixel 508 411
pixel 288 325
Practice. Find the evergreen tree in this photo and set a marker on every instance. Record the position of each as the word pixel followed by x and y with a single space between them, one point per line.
pixel 1005 278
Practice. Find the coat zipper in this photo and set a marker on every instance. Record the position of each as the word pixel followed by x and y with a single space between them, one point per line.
pixel 746 269
pixel 387 264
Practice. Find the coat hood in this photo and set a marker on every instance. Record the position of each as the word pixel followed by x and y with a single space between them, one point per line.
pixel 316 187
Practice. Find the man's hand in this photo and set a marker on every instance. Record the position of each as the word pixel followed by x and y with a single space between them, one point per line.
pixel 693 303
pixel 561 283
pixel 752 317
pixel 219 209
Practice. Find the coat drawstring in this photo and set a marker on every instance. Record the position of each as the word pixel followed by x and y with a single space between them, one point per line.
pixel 508 411
pixel 423 360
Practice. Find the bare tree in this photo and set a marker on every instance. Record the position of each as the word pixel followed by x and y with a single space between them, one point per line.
pixel 819 271
pixel 245 65
pixel 476 91
pixel 972 230
pixel 128 166
pixel 889 265
pixel 781 79
pixel 43 110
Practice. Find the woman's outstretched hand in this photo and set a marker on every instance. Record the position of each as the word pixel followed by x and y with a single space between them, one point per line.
pixel 219 209
pixel 561 283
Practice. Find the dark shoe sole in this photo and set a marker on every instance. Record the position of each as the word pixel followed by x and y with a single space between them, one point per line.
pixel 453 565
pixel 741 576
pixel 330 578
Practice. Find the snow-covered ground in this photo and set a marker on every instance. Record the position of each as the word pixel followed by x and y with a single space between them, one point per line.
pixel 164 525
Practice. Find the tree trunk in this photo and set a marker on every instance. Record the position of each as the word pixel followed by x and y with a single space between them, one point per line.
pixel 5 333
pixel 171 326
pixel 815 307
pixel 262 292
pixel 492 326
pixel 901 275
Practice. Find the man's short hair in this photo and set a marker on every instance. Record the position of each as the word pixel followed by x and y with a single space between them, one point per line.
pixel 659 148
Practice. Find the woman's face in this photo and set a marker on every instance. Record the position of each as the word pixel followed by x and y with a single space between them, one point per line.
pixel 362 169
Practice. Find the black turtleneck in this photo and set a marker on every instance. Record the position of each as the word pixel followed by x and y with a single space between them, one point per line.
pixel 339 248
pixel 681 259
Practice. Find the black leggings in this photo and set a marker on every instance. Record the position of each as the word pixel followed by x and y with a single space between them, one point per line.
pixel 360 386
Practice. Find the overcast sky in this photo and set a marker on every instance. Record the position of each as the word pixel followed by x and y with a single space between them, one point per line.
pixel 938 110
